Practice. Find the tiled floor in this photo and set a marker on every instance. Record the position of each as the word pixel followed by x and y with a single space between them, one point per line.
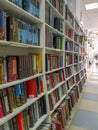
pixel 86 115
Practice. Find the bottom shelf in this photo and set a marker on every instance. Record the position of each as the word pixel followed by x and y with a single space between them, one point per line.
pixel 37 124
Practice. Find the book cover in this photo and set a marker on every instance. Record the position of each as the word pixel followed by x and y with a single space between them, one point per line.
pixel 6 103
pixel 1 70
pixel 17 94
pixel 31 88
pixel 20 121
pixel 1 110
pixel 11 68
pixel 2 25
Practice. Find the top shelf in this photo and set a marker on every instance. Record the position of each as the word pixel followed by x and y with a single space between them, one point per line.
pixel 55 10
pixel 16 11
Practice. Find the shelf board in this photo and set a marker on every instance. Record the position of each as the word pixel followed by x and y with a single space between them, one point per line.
pixel 69 51
pixel 69 77
pixel 16 44
pixel 53 30
pixel 8 84
pixel 37 124
pixel 53 70
pixel 76 63
pixel 57 104
pixel 53 49
pixel 17 12
pixel 69 25
pixel 19 109
pixel 69 65
pixel 55 10
pixel 68 38
pixel 57 86
pixel 71 88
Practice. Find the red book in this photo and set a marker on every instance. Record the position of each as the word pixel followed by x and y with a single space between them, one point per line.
pixel 41 84
pixel 58 124
pixel 1 111
pixel 31 88
pixel 20 122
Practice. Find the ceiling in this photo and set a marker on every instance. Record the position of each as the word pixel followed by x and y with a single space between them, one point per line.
pixel 90 17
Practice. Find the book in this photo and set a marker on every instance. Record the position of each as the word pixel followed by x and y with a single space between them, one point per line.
pixel 11 68
pixel 1 70
pixel 20 121
pixel 2 25
pixel 31 88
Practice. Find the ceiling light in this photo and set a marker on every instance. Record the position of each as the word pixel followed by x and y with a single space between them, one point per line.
pixel 91 6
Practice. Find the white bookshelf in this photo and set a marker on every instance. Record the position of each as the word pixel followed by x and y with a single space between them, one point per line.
pixel 14 48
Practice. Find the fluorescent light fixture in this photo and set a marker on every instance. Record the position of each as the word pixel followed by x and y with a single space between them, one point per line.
pixel 91 6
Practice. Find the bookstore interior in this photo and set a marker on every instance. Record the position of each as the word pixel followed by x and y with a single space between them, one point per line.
pixel 44 50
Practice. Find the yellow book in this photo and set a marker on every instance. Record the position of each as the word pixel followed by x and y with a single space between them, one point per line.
pixel 1 71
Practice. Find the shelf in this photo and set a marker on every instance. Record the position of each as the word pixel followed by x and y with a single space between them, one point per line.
pixel 58 103
pixel 69 65
pixel 16 11
pixel 68 38
pixel 37 124
pixel 19 109
pixel 70 88
pixel 53 70
pixel 19 81
pixel 69 77
pixel 76 52
pixel 69 25
pixel 16 44
pixel 53 30
pixel 76 63
pixel 57 86
pixel 55 10
pixel 69 51
pixel 53 49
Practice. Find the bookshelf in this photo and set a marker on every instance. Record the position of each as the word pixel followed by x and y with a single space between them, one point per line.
pixel 45 48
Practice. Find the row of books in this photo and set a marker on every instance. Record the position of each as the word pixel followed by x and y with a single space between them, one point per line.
pixel 31 6
pixel 68 59
pixel 15 96
pixel 81 50
pixel 13 29
pixel 75 68
pixel 82 82
pixel 76 38
pixel 68 16
pixel 68 32
pixel 77 27
pixel 63 112
pixel 70 83
pixel 68 46
pixel 52 40
pixel 58 5
pixel 76 48
pixel 77 78
pixel 28 117
pixel 81 57
pixel 51 19
pixel 81 65
pixel 54 78
pixel 18 67
pixel 76 59
pixel 53 61
pixel 68 71
pixel 56 95
pixel 61 115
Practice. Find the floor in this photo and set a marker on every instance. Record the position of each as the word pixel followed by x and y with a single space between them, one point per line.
pixel 86 115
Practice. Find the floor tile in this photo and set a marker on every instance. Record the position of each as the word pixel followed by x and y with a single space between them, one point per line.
pixel 86 119
pixel 91 90
pixel 89 105
pixel 90 96
pixel 72 127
